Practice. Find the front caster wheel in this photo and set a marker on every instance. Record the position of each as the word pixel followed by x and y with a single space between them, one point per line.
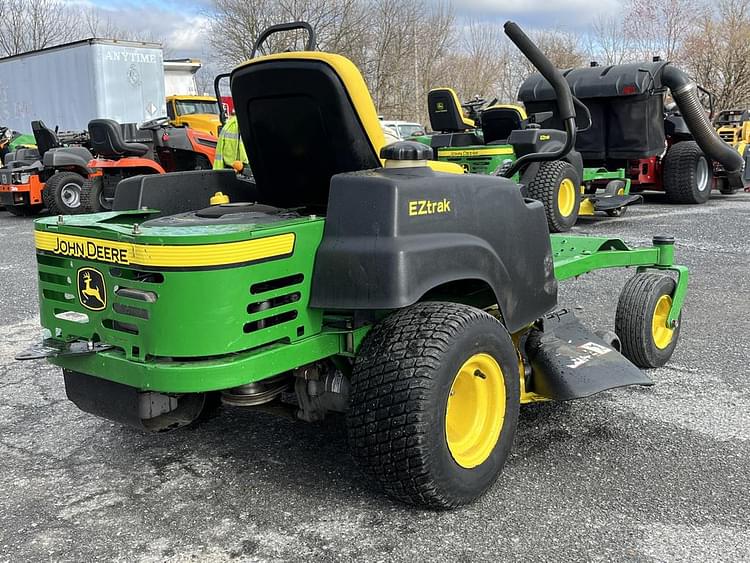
pixel 641 320
pixel 434 403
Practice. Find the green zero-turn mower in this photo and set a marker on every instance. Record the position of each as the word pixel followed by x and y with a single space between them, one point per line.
pixel 491 137
pixel 422 304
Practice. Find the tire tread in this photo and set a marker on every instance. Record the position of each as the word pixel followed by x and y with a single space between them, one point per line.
pixel 544 188
pixel 388 422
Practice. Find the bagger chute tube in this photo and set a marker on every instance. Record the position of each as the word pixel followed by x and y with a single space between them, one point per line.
pixel 317 290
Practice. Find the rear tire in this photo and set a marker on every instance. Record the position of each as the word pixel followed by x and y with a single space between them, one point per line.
pixel 91 200
pixel 640 320
pixel 687 174
pixel 62 193
pixel 557 186
pixel 430 426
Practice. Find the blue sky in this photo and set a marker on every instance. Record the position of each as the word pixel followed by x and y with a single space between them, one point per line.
pixel 180 22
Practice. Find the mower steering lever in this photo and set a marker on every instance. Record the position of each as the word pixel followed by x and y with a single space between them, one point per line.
pixel 565 100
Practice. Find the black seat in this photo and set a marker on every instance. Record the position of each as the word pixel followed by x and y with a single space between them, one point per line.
pixel 498 123
pixel 21 157
pixel 445 111
pixel 303 119
pixel 107 141
pixel 44 136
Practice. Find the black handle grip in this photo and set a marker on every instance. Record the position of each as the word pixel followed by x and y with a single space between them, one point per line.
pixel 545 68
pixel 217 91
pixel 286 27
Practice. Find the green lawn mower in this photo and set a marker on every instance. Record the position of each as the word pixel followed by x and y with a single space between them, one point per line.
pixel 489 138
pixel 674 149
pixel 345 277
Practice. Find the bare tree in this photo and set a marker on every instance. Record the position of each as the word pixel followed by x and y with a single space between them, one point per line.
pixel 659 27
pixel 716 54
pixel 236 24
pixel 609 44
pixel 478 65
pixel 27 25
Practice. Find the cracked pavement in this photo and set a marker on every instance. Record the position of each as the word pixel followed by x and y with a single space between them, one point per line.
pixel 646 474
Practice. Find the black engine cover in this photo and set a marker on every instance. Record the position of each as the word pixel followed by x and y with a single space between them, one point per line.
pixel 392 235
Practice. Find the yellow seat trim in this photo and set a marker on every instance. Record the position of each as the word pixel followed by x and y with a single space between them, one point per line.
pixel 353 83
pixel 466 121
pixel 359 95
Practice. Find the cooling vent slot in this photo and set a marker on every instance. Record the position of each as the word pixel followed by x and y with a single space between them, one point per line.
pixel 270 321
pixel 273 303
pixel 130 311
pixel 120 326
pixel 137 275
pixel 279 283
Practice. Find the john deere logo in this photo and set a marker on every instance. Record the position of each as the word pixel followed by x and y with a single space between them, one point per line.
pixel 92 293
pixel 440 106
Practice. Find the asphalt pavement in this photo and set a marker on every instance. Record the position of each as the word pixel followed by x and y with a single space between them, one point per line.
pixel 637 474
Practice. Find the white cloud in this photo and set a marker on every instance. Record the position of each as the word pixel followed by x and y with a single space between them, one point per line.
pixel 189 36
pixel 539 13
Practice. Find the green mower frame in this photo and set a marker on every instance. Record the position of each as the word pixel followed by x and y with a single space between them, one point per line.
pixel 422 304
pixel 601 190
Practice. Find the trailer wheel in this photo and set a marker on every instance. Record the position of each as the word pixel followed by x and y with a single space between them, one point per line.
pixel 24 210
pixel 687 174
pixel 62 193
pixel 557 186
pixel 641 320
pixel 434 403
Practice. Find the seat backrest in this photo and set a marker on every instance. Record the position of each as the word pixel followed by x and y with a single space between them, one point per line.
pixel 44 136
pixel 304 117
pixel 107 140
pixel 446 115
pixel 499 121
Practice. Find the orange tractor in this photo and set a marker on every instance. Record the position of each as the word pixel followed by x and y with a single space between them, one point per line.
pixel 79 179
pixel 173 149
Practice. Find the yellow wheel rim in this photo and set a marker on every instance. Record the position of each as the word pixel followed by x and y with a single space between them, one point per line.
pixel 660 332
pixel 475 411
pixel 566 197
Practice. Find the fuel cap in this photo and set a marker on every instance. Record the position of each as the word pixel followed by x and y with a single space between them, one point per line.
pixel 406 150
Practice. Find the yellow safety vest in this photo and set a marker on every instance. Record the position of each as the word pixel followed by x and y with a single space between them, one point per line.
pixel 230 148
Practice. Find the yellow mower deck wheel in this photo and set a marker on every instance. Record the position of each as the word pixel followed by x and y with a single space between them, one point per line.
pixel 476 410
pixel 660 332
pixel 566 197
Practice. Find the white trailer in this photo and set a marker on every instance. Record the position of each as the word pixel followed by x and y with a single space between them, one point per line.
pixel 179 77
pixel 69 85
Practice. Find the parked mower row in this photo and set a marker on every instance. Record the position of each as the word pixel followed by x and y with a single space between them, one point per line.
pixel 626 140
pixel 80 176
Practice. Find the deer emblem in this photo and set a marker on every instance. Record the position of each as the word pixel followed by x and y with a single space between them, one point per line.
pixel 92 293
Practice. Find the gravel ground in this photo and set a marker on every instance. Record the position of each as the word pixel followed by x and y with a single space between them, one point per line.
pixel 657 474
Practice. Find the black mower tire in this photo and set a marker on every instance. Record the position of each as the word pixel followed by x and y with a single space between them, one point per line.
pixel 90 197
pixel 546 186
pixel 401 382
pixel 54 191
pixel 681 177
pixel 24 210
pixel 635 318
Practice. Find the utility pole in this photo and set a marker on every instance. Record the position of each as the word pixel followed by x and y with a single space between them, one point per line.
pixel 416 75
